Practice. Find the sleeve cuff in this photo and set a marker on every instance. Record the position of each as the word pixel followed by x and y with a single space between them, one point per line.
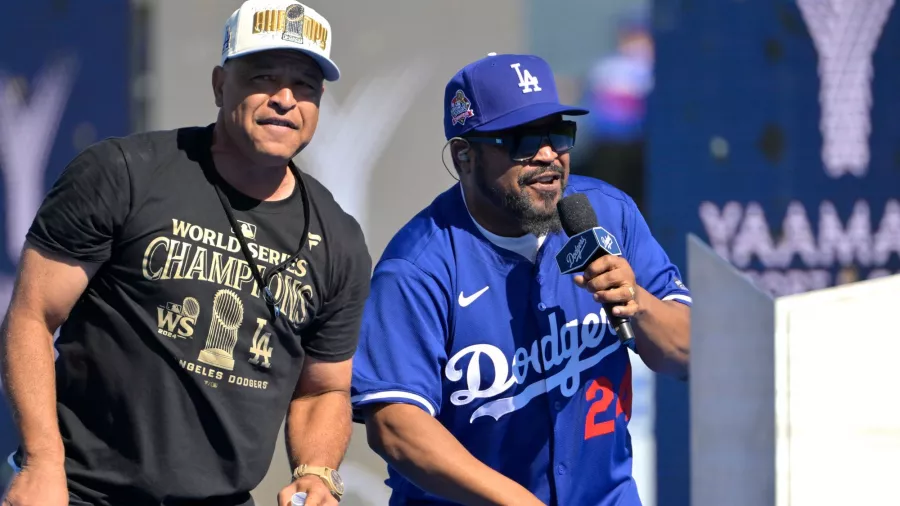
pixel 55 249
pixel 680 297
pixel 12 463
pixel 330 357
pixel 393 396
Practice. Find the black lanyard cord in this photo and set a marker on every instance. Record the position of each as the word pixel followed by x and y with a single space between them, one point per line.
pixel 263 281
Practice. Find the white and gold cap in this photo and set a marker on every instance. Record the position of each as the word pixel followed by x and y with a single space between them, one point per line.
pixel 263 25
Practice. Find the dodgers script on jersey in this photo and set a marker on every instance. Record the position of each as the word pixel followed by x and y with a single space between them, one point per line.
pixel 511 356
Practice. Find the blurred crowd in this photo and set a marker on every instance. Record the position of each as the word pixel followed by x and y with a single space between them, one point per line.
pixel 611 138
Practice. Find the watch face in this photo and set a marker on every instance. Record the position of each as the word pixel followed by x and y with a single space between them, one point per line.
pixel 338 482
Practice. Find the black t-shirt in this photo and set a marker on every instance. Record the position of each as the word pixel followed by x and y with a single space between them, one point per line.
pixel 173 375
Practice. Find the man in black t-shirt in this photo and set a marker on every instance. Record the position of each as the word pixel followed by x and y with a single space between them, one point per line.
pixel 203 289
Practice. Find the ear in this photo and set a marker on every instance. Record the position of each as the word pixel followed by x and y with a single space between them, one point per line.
pixel 218 83
pixel 461 152
pixel 318 99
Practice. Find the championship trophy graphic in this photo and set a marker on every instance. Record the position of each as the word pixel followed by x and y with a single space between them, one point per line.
pixel 227 315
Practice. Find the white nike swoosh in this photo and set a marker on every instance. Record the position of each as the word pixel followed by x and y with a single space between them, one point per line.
pixel 465 301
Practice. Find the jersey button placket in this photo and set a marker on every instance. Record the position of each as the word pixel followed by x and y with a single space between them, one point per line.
pixel 562 484
pixel 544 290
pixel 539 295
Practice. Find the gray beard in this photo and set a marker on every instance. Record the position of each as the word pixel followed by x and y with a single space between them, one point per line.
pixel 533 220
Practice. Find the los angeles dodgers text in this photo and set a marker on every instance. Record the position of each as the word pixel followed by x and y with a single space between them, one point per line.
pixel 564 345
pixel 575 256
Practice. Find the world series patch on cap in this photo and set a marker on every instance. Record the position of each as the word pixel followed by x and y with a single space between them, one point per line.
pixel 499 92
pixel 263 25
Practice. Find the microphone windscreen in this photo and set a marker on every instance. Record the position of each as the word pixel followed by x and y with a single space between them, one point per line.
pixel 576 214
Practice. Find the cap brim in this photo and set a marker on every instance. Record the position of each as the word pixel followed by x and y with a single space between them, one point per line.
pixel 330 71
pixel 528 114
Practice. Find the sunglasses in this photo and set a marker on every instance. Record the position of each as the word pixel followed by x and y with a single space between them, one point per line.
pixel 524 143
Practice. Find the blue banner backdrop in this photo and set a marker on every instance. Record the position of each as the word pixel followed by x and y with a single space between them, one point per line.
pixel 64 84
pixel 774 135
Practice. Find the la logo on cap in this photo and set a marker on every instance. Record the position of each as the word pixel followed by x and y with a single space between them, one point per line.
pixel 527 82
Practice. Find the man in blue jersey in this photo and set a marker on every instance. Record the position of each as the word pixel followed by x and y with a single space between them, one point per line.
pixel 483 375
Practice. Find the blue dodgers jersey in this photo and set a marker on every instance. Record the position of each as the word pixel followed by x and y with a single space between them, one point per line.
pixel 509 355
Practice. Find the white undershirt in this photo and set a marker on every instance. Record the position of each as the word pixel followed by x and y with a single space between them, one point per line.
pixel 526 245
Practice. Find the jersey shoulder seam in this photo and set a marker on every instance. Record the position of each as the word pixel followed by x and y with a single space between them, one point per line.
pixel 604 188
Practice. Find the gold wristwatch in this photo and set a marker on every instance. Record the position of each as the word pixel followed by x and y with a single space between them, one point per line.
pixel 330 476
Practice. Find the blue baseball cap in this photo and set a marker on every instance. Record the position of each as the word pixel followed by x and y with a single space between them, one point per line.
pixel 499 92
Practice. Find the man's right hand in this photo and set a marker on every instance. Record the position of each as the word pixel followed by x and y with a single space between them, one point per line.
pixel 38 485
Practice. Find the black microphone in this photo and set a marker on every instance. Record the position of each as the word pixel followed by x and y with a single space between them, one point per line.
pixel 587 242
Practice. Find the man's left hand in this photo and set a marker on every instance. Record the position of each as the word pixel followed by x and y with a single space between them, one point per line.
pixel 317 493
pixel 611 281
